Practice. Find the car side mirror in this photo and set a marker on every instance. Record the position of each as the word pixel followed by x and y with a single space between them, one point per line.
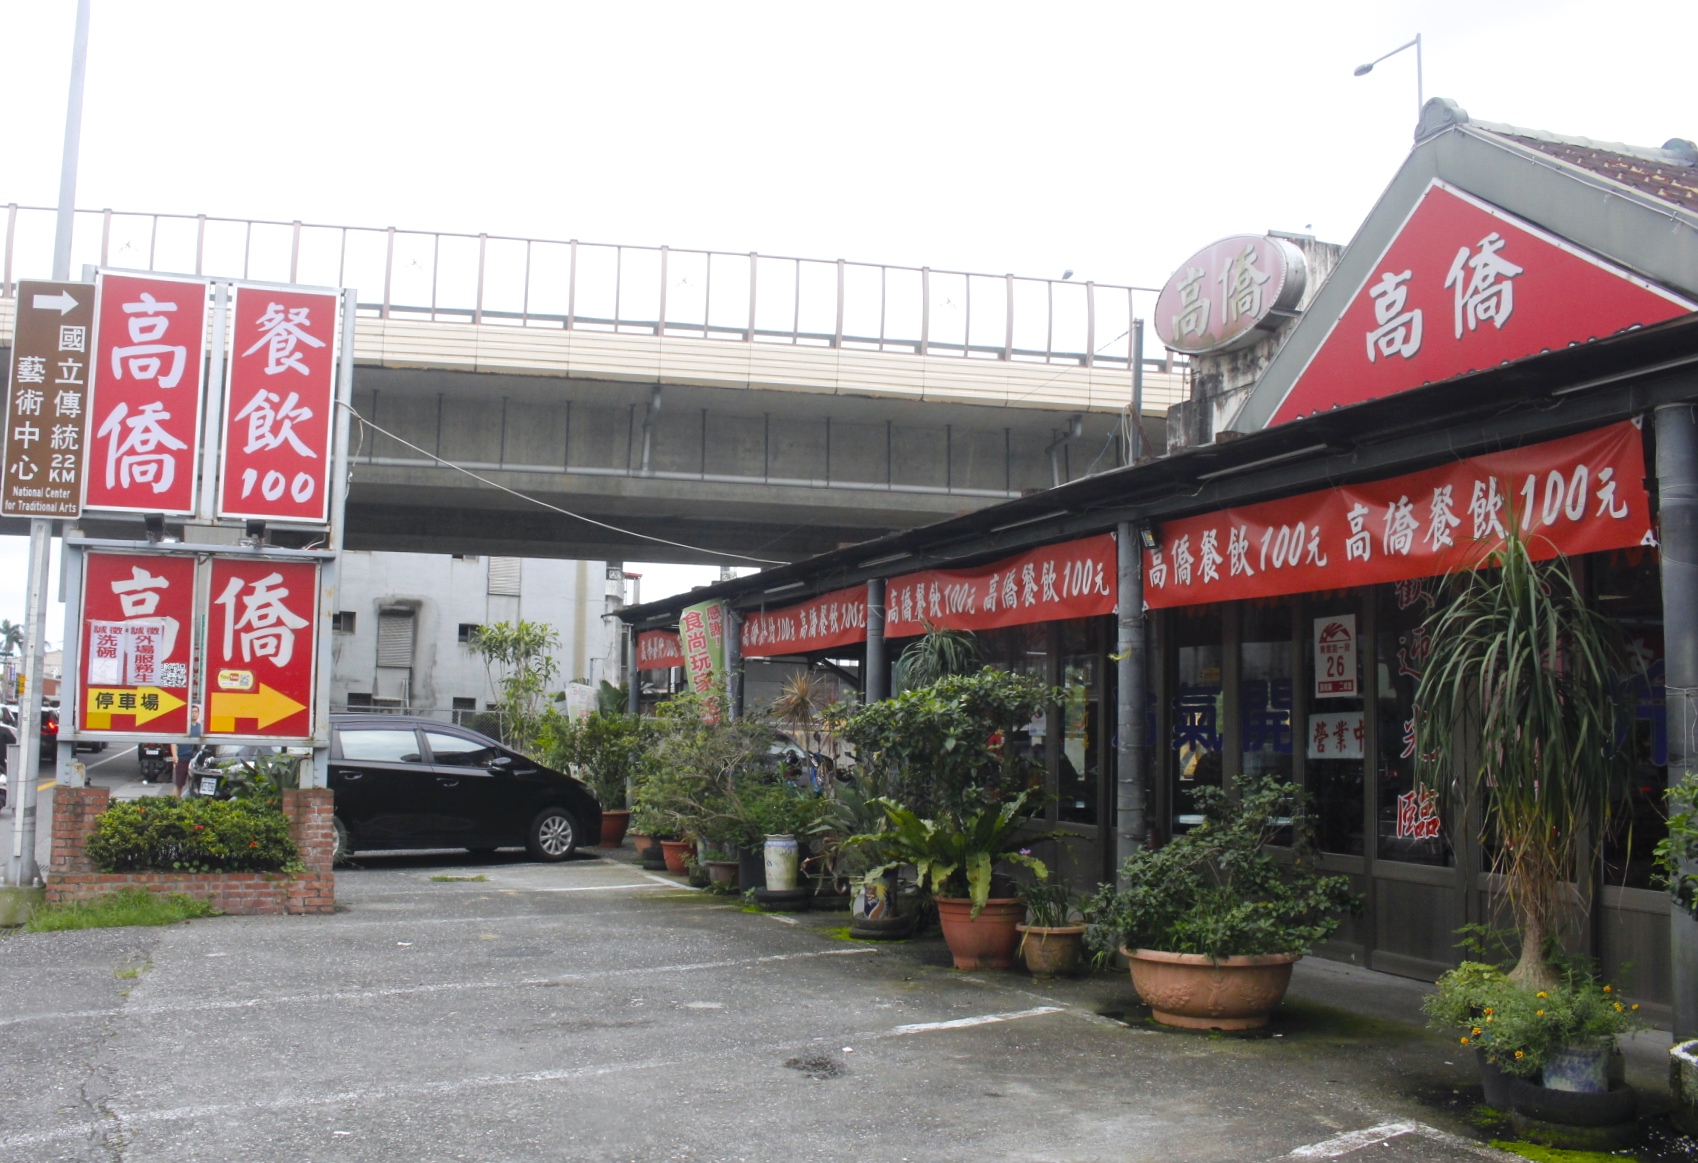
pixel 501 761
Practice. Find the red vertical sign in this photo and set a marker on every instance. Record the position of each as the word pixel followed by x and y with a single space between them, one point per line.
pixel 137 621
pixel 278 404
pixel 145 394
pixel 261 646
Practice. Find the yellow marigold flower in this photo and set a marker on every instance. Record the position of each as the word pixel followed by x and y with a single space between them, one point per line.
pixel 1519 1054
pixel 1608 989
pixel 1635 1005
pixel 1488 1011
pixel 1488 1019
pixel 1540 1014
pixel 1618 1007
pixel 1476 1031
pixel 1465 1041
pixel 1541 995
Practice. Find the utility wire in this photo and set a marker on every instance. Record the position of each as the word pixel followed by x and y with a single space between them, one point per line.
pixel 482 480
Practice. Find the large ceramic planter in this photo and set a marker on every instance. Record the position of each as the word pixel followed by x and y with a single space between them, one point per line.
pixel 986 941
pixel 1051 951
pixel 782 855
pixel 676 853
pixel 1197 993
pixel 722 873
pixel 613 825
pixel 1581 1069
pixel 1683 1080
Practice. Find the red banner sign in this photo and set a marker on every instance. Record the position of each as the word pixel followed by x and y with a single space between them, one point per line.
pixel 1075 579
pixel 835 619
pixel 145 394
pixel 1580 494
pixel 261 646
pixel 1465 286
pixel 278 405
pixel 658 650
pixel 137 622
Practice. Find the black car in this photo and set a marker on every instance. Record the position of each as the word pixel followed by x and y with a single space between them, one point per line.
pixel 418 783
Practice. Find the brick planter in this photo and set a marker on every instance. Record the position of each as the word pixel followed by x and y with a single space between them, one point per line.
pixel 72 877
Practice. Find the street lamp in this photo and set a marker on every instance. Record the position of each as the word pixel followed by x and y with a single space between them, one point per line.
pixel 1420 94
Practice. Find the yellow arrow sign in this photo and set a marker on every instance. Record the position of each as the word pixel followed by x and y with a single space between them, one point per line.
pixel 146 703
pixel 266 706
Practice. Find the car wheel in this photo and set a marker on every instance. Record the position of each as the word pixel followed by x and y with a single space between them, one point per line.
pixel 553 835
pixel 344 841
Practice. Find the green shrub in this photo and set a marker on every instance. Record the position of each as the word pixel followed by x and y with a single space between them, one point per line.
pixel 1218 890
pixel 161 834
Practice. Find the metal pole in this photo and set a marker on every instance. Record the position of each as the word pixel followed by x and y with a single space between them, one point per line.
pixel 22 867
pixel 877 680
pixel 330 572
pixel 633 690
pixel 212 423
pixel 70 772
pixel 1137 390
pixel 1677 493
pixel 733 664
pixel 1131 826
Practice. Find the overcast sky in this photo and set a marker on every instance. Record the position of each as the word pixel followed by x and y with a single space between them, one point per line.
pixel 1112 139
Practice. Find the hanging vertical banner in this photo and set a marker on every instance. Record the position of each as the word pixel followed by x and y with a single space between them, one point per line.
pixel 137 621
pixel 658 650
pixel 261 647
pixel 279 398
pixel 145 394
pixel 1335 657
pixel 45 413
pixel 701 629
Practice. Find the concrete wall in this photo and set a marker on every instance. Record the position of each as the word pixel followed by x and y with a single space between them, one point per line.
pixel 445 591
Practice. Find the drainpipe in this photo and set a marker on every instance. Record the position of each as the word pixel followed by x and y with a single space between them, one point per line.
pixel 633 692
pixel 1131 826
pixel 1677 492
pixel 733 664
pixel 877 679
pixel 649 418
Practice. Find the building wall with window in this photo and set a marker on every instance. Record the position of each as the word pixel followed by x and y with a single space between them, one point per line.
pixel 405 621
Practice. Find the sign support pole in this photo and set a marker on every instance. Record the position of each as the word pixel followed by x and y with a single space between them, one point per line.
pixel 1131 822
pixel 22 867
pixel 330 573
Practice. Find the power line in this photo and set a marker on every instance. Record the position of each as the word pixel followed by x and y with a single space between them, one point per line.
pixel 482 480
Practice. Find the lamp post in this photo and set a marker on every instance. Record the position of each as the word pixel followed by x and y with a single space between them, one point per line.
pixel 1420 87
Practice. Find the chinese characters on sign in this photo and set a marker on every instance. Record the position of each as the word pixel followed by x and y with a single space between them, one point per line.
pixel 138 610
pixel 658 650
pixel 1230 293
pixel 278 405
pixel 260 654
pixel 145 394
pixel 44 415
pixel 833 619
pixel 701 629
pixel 1335 657
pixel 1462 287
pixel 1075 579
pixel 1418 814
pixel 1337 735
pixel 1579 494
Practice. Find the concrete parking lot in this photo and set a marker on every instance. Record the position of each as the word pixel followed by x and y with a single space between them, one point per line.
pixel 592 1011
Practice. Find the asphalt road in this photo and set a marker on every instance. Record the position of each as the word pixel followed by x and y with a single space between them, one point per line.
pixel 595 1012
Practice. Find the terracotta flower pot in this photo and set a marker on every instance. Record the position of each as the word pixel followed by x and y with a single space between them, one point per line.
pixel 613 825
pixel 722 872
pixel 642 844
pixel 675 852
pixel 986 941
pixel 1052 951
pixel 1197 993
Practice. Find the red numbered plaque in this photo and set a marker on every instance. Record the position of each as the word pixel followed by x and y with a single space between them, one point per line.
pixel 261 629
pixel 278 404
pixel 138 614
pixel 145 392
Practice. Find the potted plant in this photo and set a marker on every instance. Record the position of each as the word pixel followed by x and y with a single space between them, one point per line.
pixel 956 856
pixel 1548 1053
pixel 1050 941
pixel 1213 921
pixel 610 750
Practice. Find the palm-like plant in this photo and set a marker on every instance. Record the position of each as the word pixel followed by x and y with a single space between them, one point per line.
pixel 937 654
pixel 955 851
pixel 1520 682
pixel 11 636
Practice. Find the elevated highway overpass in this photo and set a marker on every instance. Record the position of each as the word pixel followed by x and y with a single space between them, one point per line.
pixel 740 403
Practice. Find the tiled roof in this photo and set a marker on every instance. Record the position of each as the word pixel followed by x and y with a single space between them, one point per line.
pixel 1669 173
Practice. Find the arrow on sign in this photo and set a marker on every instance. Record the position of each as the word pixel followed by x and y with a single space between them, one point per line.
pixel 62 300
pixel 145 703
pixel 266 706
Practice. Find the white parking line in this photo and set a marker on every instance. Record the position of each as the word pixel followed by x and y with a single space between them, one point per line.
pixel 1367 1137
pixel 963 1023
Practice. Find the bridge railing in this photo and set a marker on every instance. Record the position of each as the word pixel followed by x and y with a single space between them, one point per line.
pixel 665 291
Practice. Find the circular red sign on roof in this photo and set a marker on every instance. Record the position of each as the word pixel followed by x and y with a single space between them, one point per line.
pixel 1230 293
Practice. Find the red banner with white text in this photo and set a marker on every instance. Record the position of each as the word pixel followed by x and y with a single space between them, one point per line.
pixel 659 650
pixel 1580 494
pixel 835 619
pixel 1075 579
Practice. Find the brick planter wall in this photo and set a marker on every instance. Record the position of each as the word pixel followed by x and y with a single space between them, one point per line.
pixel 72 877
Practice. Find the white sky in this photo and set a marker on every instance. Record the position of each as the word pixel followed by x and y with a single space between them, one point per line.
pixel 1110 138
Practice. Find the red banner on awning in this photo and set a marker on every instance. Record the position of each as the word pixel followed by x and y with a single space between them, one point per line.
pixel 1075 579
pixel 658 650
pixel 1581 494
pixel 835 619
